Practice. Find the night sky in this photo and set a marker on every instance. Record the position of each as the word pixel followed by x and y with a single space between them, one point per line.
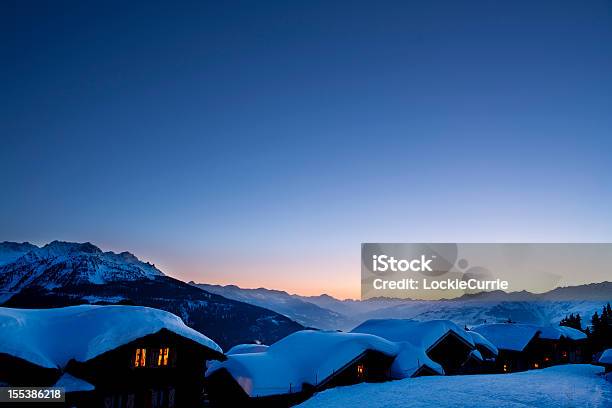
pixel 259 143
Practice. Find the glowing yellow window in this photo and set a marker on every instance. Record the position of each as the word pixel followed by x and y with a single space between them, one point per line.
pixel 162 357
pixel 140 358
pixel 360 370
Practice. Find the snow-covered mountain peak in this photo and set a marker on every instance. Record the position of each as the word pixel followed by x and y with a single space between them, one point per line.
pixel 61 248
pixel 61 263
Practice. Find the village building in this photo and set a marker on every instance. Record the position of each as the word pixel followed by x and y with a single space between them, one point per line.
pixel 439 346
pixel 292 369
pixel 525 346
pixel 106 356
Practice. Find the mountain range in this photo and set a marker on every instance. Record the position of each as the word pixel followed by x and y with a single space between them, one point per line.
pixel 64 273
pixel 327 312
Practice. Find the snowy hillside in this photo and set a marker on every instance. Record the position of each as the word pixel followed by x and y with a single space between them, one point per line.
pixel 576 385
pixel 476 312
pixel 303 312
pixel 61 263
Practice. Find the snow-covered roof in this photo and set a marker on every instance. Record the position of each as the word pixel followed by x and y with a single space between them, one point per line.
pixel 571 333
pixel 606 357
pixel 52 337
pixel 516 336
pixel 73 384
pixel 508 336
pixel 415 339
pixel 480 340
pixel 306 356
pixel 247 348
pixel 423 335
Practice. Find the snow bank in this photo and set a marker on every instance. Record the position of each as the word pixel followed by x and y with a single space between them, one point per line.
pixel 303 357
pixel 574 385
pixel 516 336
pixel 73 384
pixel 51 337
pixel 606 357
pixel 247 349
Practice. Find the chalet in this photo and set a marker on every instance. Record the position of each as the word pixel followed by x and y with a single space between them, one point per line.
pixel 106 356
pixel 525 346
pixel 292 369
pixel 442 346
pixel 605 360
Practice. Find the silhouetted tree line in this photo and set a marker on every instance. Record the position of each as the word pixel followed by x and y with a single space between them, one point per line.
pixel 573 321
pixel 600 330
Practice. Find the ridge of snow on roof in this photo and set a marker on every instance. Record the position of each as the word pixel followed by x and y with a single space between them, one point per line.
pixel 73 384
pixel 410 359
pixel 516 336
pixel 420 334
pixel 480 340
pixel 306 356
pixel 606 357
pixel 40 335
pixel 247 348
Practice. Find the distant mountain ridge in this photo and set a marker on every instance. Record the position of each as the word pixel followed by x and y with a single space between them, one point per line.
pixel 65 273
pixel 546 308
pixel 300 310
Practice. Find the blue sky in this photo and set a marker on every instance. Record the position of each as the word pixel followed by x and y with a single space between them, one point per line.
pixel 259 143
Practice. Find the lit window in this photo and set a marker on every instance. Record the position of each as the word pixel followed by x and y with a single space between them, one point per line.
pixel 360 370
pixel 162 357
pixel 140 359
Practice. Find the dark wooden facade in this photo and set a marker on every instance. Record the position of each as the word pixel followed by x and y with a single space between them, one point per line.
pixel 169 374
pixel 451 351
pixel 172 378
pixel 541 353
